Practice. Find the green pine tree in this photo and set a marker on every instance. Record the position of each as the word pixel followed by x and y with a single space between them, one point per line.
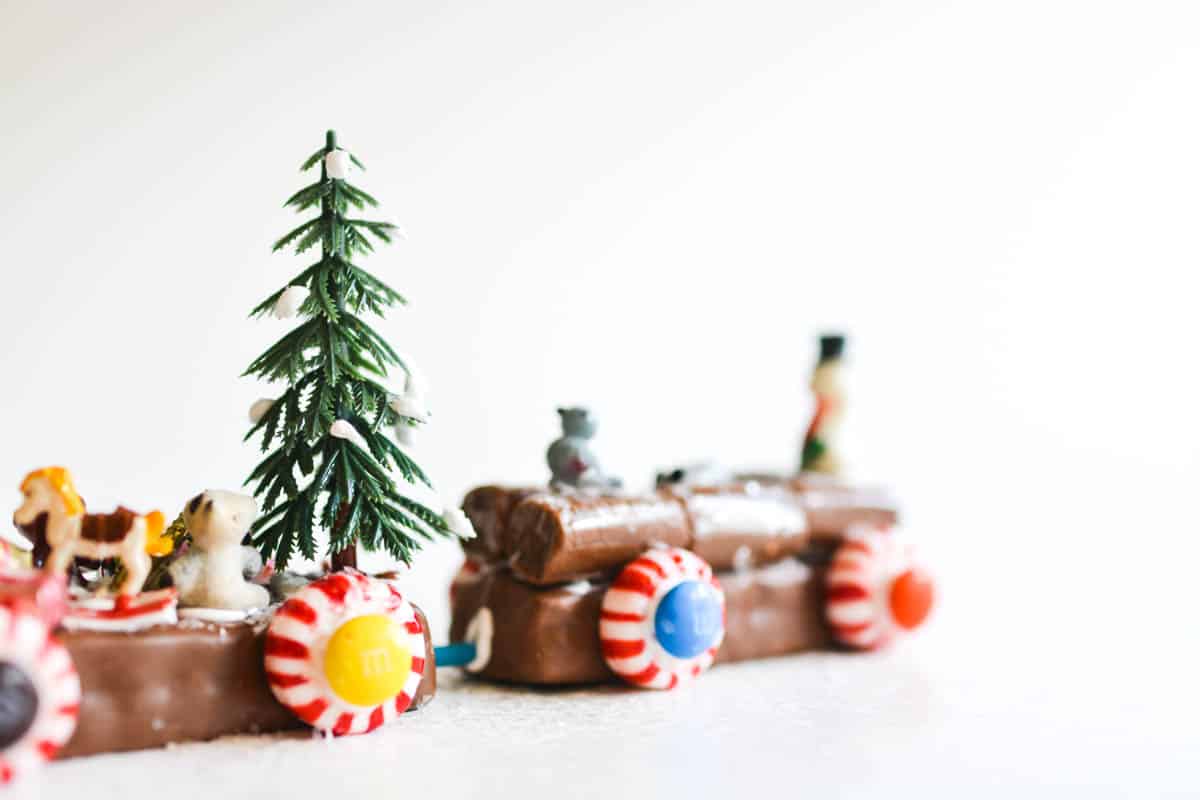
pixel 335 366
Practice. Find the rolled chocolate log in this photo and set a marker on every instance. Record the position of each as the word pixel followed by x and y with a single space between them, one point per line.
pixel 179 683
pixel 744 524
pixel 832 505
pixel 550 636
pixel 832 511
pixel 489 509
pixel 554 538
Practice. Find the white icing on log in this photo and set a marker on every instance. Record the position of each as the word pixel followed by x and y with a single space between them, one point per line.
pixel 745 515
pixel 835 498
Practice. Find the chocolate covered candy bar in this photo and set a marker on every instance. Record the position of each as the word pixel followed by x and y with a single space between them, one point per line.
pixel 489 509
pixel 555 538
pixel 832 505
pixel 559 537
pixel 831 512
pixel 178 683
pixel 551 635
pixel 744 524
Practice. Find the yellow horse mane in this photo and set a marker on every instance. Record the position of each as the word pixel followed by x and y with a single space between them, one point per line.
pixel 61 481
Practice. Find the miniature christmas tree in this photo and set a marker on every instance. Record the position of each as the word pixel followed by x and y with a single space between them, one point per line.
pixel 330 427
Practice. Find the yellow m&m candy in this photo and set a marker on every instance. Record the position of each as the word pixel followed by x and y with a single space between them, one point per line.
pixel 367 660
pixel 346 654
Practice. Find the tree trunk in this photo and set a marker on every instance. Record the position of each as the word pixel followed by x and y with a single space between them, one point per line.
pixel 347 557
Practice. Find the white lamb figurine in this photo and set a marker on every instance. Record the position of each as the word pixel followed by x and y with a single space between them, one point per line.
pixel 212 573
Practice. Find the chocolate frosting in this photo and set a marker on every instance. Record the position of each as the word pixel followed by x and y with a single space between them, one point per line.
pixel 184 682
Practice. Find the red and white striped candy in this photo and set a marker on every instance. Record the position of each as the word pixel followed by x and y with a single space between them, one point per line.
pixel 627 617
pixel 874 589
pixel 8 556
pixel 27 644
pixel 298 637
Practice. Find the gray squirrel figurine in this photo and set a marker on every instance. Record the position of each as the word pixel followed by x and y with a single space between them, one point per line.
pixel 571 461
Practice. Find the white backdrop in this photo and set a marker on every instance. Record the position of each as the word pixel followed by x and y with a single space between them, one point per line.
pixel 652 208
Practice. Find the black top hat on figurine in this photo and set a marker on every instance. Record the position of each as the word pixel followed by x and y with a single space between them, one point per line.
pixel 832 347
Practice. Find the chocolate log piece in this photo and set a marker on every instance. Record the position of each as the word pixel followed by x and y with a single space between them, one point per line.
pixel 489 509
pixel 774 610
pixel 544 636
pixel 178 683
pixel 744 524
pixel 831 512
pixel 832 504
pixel 560 537
pixel 551 635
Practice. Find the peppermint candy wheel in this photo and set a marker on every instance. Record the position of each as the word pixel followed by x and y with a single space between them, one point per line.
pixel 346 653
pixel 662 619
pixel 39 692
pixel 874 590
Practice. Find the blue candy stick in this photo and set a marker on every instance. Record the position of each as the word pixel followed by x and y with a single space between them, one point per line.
pixel 454 655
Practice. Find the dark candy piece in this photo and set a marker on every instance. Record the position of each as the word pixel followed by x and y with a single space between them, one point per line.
pixel 18 703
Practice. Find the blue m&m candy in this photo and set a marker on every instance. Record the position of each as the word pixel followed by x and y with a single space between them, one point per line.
pixel 662 619
pixel 688 620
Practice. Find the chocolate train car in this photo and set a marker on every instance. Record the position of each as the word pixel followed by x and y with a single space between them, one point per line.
pixel 345 654
pixel 583 588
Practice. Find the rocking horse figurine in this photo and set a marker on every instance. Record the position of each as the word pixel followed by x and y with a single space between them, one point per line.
pixel 54 519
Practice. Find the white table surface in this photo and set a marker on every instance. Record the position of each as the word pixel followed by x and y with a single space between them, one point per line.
pixel 973 707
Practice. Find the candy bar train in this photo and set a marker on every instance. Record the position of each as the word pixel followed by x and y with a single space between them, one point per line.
pixel 579 582
pixel 576 587
pixel 118 632
pixel 89 666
